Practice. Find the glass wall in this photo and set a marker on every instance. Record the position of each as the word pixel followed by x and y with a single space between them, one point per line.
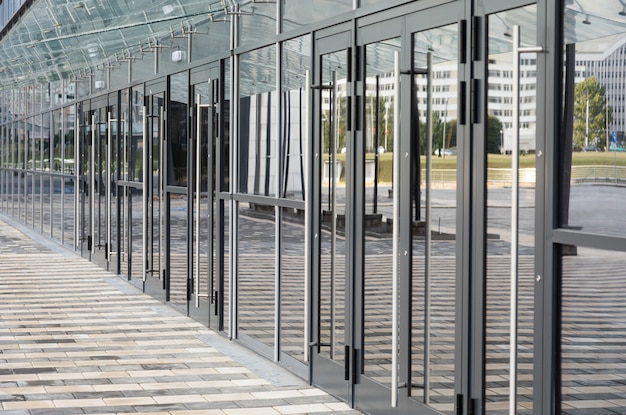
pixel 293 141
pixel 258 122
pixel 592 195
pixel 296 14
pixel 256 231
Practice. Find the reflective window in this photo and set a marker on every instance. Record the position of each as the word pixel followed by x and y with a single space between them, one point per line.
pixel 508 243
pixel 173 52
pixel 592 331
pixel 296 60
pixel 593 144
pixel 57 140
pixel 257 23
pixel 258 122
pixel 592 167
pixel 210 39
pixel 177 135
pixel 136 137
pixel 297 13
pixel 119 73
pixel 256 273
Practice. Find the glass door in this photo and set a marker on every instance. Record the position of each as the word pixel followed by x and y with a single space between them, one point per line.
pixel 207 287
pixel 331 350
pixel 153 196
pixel 178 185
pixel 84 151
pixel 510 131
pixel 97 183
pixel 406 289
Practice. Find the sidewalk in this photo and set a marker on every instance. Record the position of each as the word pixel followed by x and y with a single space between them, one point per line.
pixel 75 339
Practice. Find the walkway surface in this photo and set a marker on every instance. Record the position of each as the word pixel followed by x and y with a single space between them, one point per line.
pixel 75 339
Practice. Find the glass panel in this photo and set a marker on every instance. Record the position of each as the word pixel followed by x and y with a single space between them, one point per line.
pixel 593 155
pixel 298 13
pixel 135 215
pixel 378 276
pixel 204 221
pixel 334 113
pixel 37 201
pixel 256 274
pixel 69 119
pixel 47 205
pixel 102 180
pixel 174 52
pixel 119 73
pixel 499 143
pixel 433 210
pixel 136 137
pixel 225 132
pixel 296 60
pixel 225 205
pixel 219 35
pixel 178 250
pixel 69 90
pixel 21 165
pixel 156 205
pixel 57 151
pixel 84 115
pixel 257 23
pixel 177 129
pixel 142 66
pixel 57 208
pixel 592 331
pixel 292 283
pixel 124 148
pixel 258 122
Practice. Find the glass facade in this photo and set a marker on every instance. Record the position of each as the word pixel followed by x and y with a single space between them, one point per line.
pixel 416 207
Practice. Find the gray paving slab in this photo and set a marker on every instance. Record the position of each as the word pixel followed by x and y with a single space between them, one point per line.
pixel 77 339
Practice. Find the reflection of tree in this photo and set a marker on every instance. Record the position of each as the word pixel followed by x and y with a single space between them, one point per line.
pixel 379 121
pixel 590 113
pixel 338 122
pixel 494 137
pixel 438 133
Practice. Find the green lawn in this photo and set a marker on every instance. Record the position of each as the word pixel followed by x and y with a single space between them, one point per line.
pixel 503 161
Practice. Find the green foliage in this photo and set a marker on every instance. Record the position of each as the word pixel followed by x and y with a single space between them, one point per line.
pixel 494 135
pixel 440 132
pixel 590 129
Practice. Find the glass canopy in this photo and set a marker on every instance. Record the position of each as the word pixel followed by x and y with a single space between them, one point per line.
pixel 56 39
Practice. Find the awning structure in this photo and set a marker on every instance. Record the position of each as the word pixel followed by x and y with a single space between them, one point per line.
pixel 57 39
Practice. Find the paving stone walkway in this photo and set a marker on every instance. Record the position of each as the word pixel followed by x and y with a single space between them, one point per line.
pixel 75 339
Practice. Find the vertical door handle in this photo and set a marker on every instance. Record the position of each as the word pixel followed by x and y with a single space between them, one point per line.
pixel 346 363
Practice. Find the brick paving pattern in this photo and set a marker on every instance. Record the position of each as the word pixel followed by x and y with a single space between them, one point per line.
pixel 75 339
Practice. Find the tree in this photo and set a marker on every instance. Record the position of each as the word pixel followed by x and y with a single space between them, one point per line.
pixel 590 114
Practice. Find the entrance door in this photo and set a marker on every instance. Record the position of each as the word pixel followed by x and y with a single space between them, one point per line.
pixel 510 129
pixel 96 183
pixel 153 195
pixel 207 291
pixel 406 288
pixel 331 350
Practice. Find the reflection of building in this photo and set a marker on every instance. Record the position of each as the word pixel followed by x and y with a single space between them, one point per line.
pixel 605 58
